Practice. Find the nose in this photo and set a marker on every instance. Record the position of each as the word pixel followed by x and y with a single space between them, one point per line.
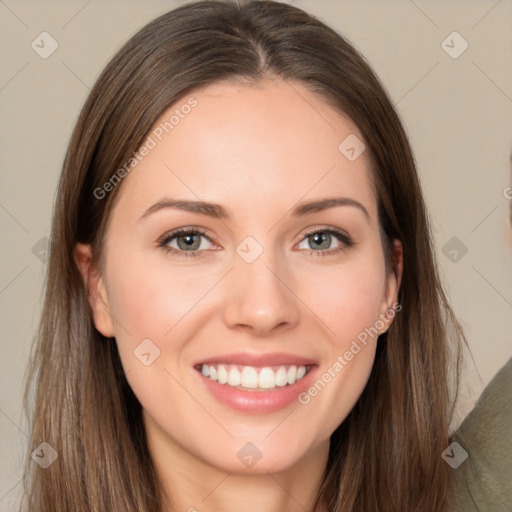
pixel 259 299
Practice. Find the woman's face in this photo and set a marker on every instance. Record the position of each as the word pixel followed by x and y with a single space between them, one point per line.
pixel 283 272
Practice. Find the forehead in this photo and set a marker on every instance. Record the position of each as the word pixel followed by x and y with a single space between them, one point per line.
pixel 251 146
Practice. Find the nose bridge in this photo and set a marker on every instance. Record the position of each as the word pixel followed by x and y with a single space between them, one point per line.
pixel 259 297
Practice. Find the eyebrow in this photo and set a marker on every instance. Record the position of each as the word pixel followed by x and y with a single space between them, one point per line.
pixel 217 211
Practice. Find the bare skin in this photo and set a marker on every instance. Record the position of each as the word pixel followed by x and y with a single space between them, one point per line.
pixel 258 152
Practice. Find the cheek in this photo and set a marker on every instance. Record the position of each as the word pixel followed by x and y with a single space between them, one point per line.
pixel 347 298
pixel 149 299
pixel 153 302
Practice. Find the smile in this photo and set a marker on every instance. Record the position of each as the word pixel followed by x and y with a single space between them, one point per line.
pixel 250 378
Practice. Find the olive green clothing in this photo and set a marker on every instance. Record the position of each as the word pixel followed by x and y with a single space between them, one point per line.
pixel 483 481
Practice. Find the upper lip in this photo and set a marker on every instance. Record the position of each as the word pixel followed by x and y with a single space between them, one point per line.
pixel 252 359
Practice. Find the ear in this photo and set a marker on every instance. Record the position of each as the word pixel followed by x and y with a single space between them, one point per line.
pixel 393 282
pixel 96 290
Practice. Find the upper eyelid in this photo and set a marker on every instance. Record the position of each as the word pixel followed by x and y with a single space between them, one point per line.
pixel 183 231
pixel 200 231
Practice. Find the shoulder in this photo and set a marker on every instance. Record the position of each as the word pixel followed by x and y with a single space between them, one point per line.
pixel 483 481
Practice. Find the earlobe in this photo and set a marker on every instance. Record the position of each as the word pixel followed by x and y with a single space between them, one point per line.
pixel 96 290
pixel 394 281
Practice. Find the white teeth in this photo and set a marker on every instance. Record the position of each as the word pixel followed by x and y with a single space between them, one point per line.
pixel 254 378
pixel 222 374
pixel 292 374
pixel 266 379
pixel 281 377
pixel 234 378
pixel 249 378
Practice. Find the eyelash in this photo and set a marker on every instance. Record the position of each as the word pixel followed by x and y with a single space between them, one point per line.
pixel 340 235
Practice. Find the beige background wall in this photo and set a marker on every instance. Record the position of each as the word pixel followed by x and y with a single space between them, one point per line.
pixel 457 111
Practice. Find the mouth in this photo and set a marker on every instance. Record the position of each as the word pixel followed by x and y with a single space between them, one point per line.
pixel 256 384
pixel 254 378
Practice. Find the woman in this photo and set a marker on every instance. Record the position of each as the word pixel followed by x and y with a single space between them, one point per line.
pixel 242 307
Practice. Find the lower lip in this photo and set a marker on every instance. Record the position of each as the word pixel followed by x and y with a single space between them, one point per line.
pixel 258 402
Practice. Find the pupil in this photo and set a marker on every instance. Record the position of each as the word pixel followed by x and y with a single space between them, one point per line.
pixel 322 240
pixel 188 242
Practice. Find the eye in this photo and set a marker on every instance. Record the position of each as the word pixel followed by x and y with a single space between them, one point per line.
pixel 190 242
pixel 326 241
pixel 185 242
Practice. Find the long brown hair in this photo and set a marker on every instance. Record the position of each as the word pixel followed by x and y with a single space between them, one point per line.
pixel 386 455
